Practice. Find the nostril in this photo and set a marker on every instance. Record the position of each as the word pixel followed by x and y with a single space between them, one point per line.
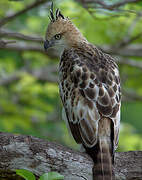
pixel 46 44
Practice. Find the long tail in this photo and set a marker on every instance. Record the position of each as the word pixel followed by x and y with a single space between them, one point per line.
pixel 102 153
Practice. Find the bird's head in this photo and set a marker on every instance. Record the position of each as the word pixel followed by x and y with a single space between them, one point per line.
pixel 61 32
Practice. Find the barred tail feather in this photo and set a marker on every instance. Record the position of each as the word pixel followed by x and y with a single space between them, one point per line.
pixel 103 166
pixel 102 152
pixel 103 169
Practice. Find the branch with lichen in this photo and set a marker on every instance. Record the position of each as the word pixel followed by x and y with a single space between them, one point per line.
pixel 40 156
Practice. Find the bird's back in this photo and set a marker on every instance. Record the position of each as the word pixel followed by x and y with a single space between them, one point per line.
pixel 90 92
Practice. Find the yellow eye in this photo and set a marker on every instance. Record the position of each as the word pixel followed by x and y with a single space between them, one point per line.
pixel 58 36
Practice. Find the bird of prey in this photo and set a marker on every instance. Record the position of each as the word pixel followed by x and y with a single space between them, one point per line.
pixel 89 86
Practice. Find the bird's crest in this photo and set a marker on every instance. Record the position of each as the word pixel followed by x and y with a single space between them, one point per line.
pixel 57 15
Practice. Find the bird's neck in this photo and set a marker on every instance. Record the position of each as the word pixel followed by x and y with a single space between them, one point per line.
pixel 74 38
pixel 82 46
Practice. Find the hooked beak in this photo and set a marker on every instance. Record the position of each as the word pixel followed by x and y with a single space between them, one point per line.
pixel 47 44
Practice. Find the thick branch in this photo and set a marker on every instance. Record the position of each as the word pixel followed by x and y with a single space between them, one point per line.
pixel 39 156
pixel 13 16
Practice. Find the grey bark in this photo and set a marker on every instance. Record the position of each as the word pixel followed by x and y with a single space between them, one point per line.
pixel 40 156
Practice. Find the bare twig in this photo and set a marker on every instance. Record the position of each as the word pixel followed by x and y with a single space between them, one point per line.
pixel 131 96
pixel 130 62
pixel 5 20
pixel 128 38
pixel 122 3
pixel 131 50
pixel 9 79
pixel 45 74
pixel 102 4
pixel 3 43
pixel 10 34
pixel 22 46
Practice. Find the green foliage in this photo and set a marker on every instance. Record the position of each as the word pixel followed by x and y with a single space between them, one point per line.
pixel 32 106
pixel 15 0
pixel 27 175
pixel 51 176
pixel 129 137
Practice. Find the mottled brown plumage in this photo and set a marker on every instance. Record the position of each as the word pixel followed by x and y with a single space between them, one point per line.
pixel 89 86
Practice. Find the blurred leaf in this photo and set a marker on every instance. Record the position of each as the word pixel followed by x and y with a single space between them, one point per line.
pixel 27 175
pixel 128 139
pixel 51 176
pixel 139 3
pixel 15 0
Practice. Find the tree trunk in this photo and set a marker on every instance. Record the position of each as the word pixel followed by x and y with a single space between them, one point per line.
pixel 40 156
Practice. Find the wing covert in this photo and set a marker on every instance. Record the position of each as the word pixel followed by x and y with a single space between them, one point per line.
pixel 96 85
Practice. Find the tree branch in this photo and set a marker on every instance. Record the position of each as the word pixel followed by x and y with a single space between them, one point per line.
pixel 102 4
pixel 3 43
pixel 10 34
pixel 40 156
pixel 45 74
pixel 130 62
pixel 122 3
pixel 42 74
pixel 131 96
pixel 21 46
pixel 5 20
pixel 128 40
pixel 131 50
pixel 9 79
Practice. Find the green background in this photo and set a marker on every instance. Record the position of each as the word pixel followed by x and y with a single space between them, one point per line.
pixel 31 105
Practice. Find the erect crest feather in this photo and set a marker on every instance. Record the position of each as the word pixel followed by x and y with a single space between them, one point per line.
pixel 57 13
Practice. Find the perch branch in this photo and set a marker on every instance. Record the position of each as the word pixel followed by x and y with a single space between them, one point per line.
pixel 40 156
